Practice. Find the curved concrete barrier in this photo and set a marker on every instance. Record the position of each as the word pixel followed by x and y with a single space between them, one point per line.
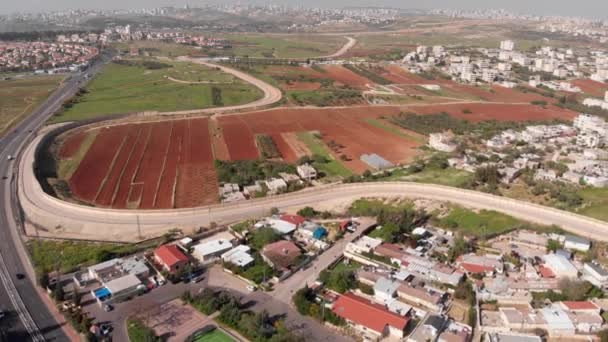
pixel 83 222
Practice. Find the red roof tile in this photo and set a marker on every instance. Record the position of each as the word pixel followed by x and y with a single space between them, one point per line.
pixel 546 272
pixel 474 268
pixel 584 305
pixel 370 315
pixel 293 219
pixel 170 255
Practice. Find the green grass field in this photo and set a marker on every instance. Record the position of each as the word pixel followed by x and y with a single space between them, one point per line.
pixel 69 255
pixel 595 203
pixel 482 224
pixel 67 166
pixel 215 335
pixel 127 88
pixel 156 48
pixel 20 96
pixel 378 123
pixel 333 167
pixel 297 46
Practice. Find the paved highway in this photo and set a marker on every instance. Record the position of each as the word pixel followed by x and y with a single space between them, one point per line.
pixel 29 318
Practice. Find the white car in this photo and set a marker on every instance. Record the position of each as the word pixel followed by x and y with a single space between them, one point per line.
pixel 251 288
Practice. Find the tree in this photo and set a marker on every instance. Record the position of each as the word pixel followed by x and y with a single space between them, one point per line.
pixel 274 211
pixel 43 279
pixel 553 245
pixel 487 175
pixel 308 212
pixel 339 280
pixel 464 291
pixel 76 295
pixel 577 290
pixel 58 292
pixel 302 300
pixel 460 247
pixel 263 236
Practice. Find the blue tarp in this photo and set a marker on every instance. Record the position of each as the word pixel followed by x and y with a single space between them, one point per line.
pixel 102 293
pixel 319 233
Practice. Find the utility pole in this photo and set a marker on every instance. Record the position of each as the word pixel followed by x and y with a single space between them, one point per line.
pixel 138 228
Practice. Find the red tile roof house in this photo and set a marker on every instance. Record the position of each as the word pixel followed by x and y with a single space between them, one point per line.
pixel 582 306
pixel 171 258
pixel 281 254
pixel 293 219
pixel 369 318
pixel 475 264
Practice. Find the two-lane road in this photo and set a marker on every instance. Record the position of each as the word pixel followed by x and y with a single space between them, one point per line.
pixel 28 319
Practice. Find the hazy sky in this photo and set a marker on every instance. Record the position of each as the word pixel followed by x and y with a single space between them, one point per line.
pixel 588 8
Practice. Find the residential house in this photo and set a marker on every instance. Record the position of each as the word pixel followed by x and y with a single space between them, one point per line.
pixel 429 329
pixel 429 298
pixel 372 320
pixel 477 264
pixel 442 142
pixel 211 249
pixel 238 256
pixel 306 172
pixel 281 254
pixel 385 289
pixel 595 274
pixel 171 258
pixel 577 243
pixel 560 266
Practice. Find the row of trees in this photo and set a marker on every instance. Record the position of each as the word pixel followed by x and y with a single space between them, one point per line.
pixel 305 303
pixel 255 326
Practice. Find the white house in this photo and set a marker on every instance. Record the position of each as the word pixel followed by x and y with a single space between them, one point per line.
pixel 442 142
pixel 560 266
pixel 210 249
pixel 595 274
pixel 577 243
pixel 306 172
pixel 385 289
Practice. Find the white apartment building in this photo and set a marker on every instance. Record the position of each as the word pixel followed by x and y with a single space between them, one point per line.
pixel 507 45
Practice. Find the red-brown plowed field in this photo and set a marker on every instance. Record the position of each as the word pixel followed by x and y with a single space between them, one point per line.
pixel 301 85
pixel 156 165
pixel 396 74
pixel 197 180
pixel 152 162
pixel 498 93
pixel 592 87
pixel 341 74
pixel 286 152
pixel 239 138
pixel 282 70
pixel 71 144
pixel 92 170
pixel 345 126
pixel 500 112
pixel 108 187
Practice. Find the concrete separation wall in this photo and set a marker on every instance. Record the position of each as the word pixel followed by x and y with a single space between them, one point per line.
pixel 77 221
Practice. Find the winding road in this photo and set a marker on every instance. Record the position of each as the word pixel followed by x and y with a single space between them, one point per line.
pixel 271 93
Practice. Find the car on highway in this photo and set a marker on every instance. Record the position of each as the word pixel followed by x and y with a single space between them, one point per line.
pixel 108 308
pixel 10 157
pixel 20 276
pixel 251 288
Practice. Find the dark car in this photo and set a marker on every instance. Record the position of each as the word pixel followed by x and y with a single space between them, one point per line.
pixel 20 276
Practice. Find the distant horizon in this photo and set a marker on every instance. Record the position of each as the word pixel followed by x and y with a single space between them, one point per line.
pixel 583 8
